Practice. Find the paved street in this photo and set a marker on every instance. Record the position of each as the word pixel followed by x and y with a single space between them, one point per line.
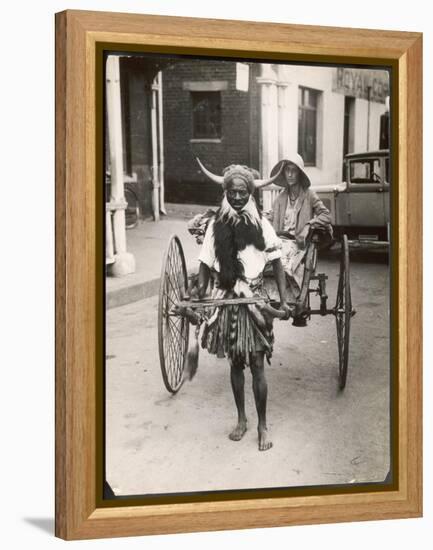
pixel 158 443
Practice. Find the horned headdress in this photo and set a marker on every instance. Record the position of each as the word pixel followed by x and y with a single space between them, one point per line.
pixel 237 170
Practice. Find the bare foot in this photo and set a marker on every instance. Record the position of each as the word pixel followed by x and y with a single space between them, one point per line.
pixel 238 433
pixel 264 442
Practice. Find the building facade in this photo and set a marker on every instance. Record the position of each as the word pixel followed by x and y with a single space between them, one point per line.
pixel 163 111
pixel 256 114
pixel 207 115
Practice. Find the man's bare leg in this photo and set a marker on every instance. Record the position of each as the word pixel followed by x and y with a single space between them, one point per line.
pixel 237 379
pixel 260 390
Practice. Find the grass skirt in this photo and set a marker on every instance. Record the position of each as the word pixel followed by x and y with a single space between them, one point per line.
pixel 238 331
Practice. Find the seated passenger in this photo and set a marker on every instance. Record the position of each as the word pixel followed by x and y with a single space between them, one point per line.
pixel 296 211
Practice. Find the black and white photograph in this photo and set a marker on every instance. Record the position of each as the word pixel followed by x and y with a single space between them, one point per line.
pixel 217 276
pixel 248 224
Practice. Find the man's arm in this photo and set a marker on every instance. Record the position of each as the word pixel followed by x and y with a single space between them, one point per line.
pixel 321 219
pixel 203 279
pixel 280 279
pixel 321 215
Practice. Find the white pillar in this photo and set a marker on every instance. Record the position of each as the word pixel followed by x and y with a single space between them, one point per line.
pixel 269 127
pixel 161 146
pixel 155 166
pixel 284 136
pixel 124 261
pixel 290 74
pixel 269 119
pixel 109 244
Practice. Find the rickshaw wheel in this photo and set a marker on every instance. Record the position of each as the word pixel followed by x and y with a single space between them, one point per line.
pixel 343 313
pixel 173 330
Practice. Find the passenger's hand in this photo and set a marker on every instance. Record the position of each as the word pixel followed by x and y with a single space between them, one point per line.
pixel 302 237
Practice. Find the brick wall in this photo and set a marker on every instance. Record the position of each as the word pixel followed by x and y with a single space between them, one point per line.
pixel 137 74
pixel 183 179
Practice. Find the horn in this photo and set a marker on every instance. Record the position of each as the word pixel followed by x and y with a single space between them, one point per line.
pixel 213 177
pixel 262 183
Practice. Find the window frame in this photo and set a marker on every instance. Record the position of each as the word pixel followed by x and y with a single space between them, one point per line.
pixel 304 108
pixel 206 135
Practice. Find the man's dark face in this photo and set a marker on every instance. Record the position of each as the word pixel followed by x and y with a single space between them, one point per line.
pixel 237 194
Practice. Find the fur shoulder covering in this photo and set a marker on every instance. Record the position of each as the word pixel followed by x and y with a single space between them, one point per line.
pixel 232 235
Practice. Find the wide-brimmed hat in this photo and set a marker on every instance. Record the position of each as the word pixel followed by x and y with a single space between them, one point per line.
pixel 298 161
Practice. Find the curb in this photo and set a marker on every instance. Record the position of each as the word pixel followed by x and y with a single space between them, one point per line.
pixel 132 293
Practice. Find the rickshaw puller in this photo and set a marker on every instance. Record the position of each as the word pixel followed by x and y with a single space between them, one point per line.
pixel 237 244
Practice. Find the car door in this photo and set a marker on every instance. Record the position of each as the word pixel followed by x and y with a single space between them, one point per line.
pixel 366 192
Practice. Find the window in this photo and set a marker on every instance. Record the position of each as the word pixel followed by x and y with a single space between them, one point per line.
pixel 206 115
pixel 365 171
pixel 307 125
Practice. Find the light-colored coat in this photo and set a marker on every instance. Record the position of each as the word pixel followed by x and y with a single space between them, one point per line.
pixel 310 209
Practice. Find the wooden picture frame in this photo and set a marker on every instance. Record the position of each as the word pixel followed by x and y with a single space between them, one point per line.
pixel 80 40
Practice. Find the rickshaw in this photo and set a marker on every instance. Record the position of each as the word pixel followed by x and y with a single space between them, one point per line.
pixel 176 310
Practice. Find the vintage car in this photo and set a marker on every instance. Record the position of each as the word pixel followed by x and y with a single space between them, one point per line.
pixel 360 205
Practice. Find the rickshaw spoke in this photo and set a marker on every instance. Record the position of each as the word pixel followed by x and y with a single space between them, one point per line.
pixel 176 329
pixel 174 343
pixel 172 335
pixel 175 290
pixel 169 298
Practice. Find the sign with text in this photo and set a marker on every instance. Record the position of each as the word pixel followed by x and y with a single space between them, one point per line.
pixel 362 83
